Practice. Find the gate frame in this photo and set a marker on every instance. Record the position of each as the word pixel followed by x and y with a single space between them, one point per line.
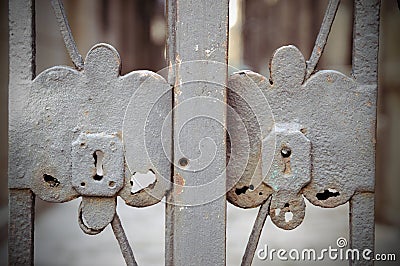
pixel 22 51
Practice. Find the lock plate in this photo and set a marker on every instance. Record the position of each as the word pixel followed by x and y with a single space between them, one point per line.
pixel 97 165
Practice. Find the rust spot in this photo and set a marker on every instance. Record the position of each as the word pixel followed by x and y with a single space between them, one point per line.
pixel 258 79
pixel 178 79
pixel 369 104
pixel 319 50
pixel 327 193
pixel 329 79
pixel 287 170
pixel 241 190
pixel 52 181
pixel 119 135
pixel 177 91
pixel 179 182
pixel 86 113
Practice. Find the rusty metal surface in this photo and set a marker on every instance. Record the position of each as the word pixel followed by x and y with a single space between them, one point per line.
pixel 73 126
pixel 362 225
pixel 98 212
pixel 250 108
pixel 288 174
pixel 97 165
pixel 323 136
pixel 21 227
pixel 195 211
pixel 70 138
pixel 332 113
pixel 21 72
pixel 87 132
pixel 66 134
pixel 146 134
pixel 365 72
pixel 335 116
pixel 85 111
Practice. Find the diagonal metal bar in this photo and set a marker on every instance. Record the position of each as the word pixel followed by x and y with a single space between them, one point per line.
pixel 256 233
pixel 123 241
pixel 322 36
pixel 66 34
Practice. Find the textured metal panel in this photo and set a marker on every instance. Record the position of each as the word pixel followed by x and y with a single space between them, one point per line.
pixel 72 128
pixel 333 113
pixel 250 108
pixel 147 140
pixel 97 165
pixel 197 31
pixel 289 173
pixel 63 104
pixel 98 211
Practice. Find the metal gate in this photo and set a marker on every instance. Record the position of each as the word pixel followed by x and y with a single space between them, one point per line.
pixel 207 137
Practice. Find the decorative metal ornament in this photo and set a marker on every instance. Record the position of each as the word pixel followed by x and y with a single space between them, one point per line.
pixel 74 131
pixel 322 137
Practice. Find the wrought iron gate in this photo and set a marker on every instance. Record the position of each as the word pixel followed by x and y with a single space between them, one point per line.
pixel 208 137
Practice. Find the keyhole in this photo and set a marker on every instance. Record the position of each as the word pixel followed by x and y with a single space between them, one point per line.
pixel 286 152
pixel 98 163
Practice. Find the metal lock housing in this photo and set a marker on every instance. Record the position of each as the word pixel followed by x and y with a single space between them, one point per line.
pixel 97 165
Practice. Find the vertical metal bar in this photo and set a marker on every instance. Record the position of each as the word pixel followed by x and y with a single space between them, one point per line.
pixel 21 227
pixel 195 230
pixel 22 71
pixel 362 226
pixel 365 71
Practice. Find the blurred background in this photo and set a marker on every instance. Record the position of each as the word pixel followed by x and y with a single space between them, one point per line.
pixel 137 29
